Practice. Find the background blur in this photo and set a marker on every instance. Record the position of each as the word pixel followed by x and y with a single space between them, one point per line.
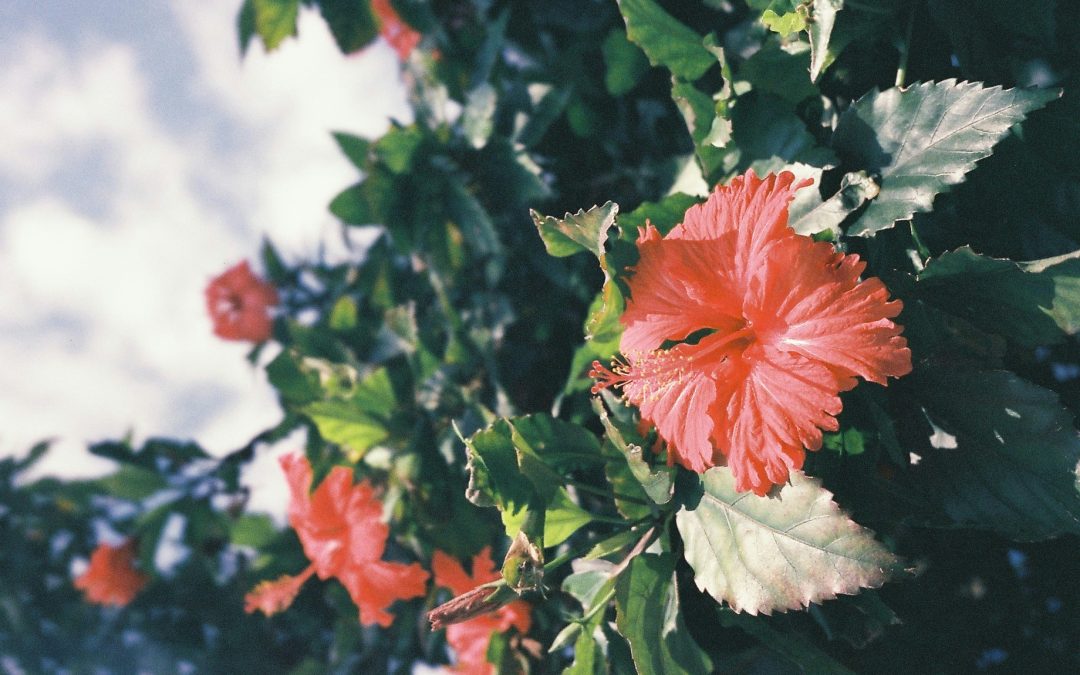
pixel 139 157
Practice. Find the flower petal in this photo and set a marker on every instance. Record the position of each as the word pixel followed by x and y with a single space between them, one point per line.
pixel 779 406
pixel 375 585
pixel 754 209
pixel 677 288
pixel 822 311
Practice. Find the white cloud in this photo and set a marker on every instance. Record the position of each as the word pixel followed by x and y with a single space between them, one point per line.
pixel 102 323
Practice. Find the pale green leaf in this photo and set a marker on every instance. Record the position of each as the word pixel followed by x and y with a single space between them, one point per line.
pixel 778 552
pixel 574 232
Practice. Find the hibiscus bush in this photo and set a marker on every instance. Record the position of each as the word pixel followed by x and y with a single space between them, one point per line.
pixel 679 337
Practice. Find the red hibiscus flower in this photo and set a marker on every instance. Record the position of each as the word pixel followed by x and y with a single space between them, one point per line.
pixel 470 639
pixel 395 31
pixel 238 302
pixel 769 327
pixel 340 527
pixel 111 578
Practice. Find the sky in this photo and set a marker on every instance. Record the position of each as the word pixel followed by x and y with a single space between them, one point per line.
pixel 139 158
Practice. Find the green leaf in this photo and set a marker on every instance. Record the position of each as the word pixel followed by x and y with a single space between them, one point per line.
pixel 253 529
pixel 624 63
pixel 132 482
pixel 923 139
pixel 550 103
pixel 780 70
pixel 790 644
pixel 779 552
pixel 699 112
pixel 562 518
pixel 665 40
pixel 275 20
pixel 810 214
pixel 574 232
pixel 664 214
pixel 514 460
pixel 478 117
pixel 770 135
pixel 354 147
pixel 1032 303
pixel 847 442
pixel 398 147
pixel 784 24
pixel 245 25
pixel 343 315
pixel 822 21
pixel 351 23
pixel 647 615
pixel 368 202
pixel 1007 458
pixel 294 384
pixel 344 423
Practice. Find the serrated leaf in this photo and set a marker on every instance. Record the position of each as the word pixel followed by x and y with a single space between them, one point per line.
pixel 810 214
pixel 665 40
pixel 1032 303
pixel 779 552
pixel 1008 458
pixel 275 20
pixel 784 24
pixel 351 23
pixel 624 63
pixel 923 139
pixel 648 616
pixel 822 21
pixel 574 232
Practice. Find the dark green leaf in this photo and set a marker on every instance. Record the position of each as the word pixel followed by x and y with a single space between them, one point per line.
pixel 793 646
pixel 624 63
pixel 351 23
pixel 1032 303
pixel 779 552
pixel 574 232
pixel 293 384
pixel 923 139
pixel 780 70
pixel 245 25
pixel 398 147
pixel 354 147
pixel 132 482
pixel 665 40
pixel 647 614
pixel 1005 453
pixel 551 104
pixel 367 202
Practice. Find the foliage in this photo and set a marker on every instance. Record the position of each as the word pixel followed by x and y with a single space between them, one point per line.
pixel 445 364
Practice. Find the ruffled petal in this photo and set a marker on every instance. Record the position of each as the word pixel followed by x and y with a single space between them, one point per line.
pixel 375 585
pixel 677 288
pixel 820 309
pixel 271 597
pixel 450 574
pixel 754 209
pixel 780 405
pixel 675 389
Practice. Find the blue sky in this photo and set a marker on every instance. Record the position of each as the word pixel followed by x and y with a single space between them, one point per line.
pixel 139 157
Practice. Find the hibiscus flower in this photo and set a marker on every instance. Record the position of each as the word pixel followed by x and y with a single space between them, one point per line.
pixel 740 334
pixel 111 578
pixel 394 30
pixel 470 639
pixel 238 303
pixel 340 527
